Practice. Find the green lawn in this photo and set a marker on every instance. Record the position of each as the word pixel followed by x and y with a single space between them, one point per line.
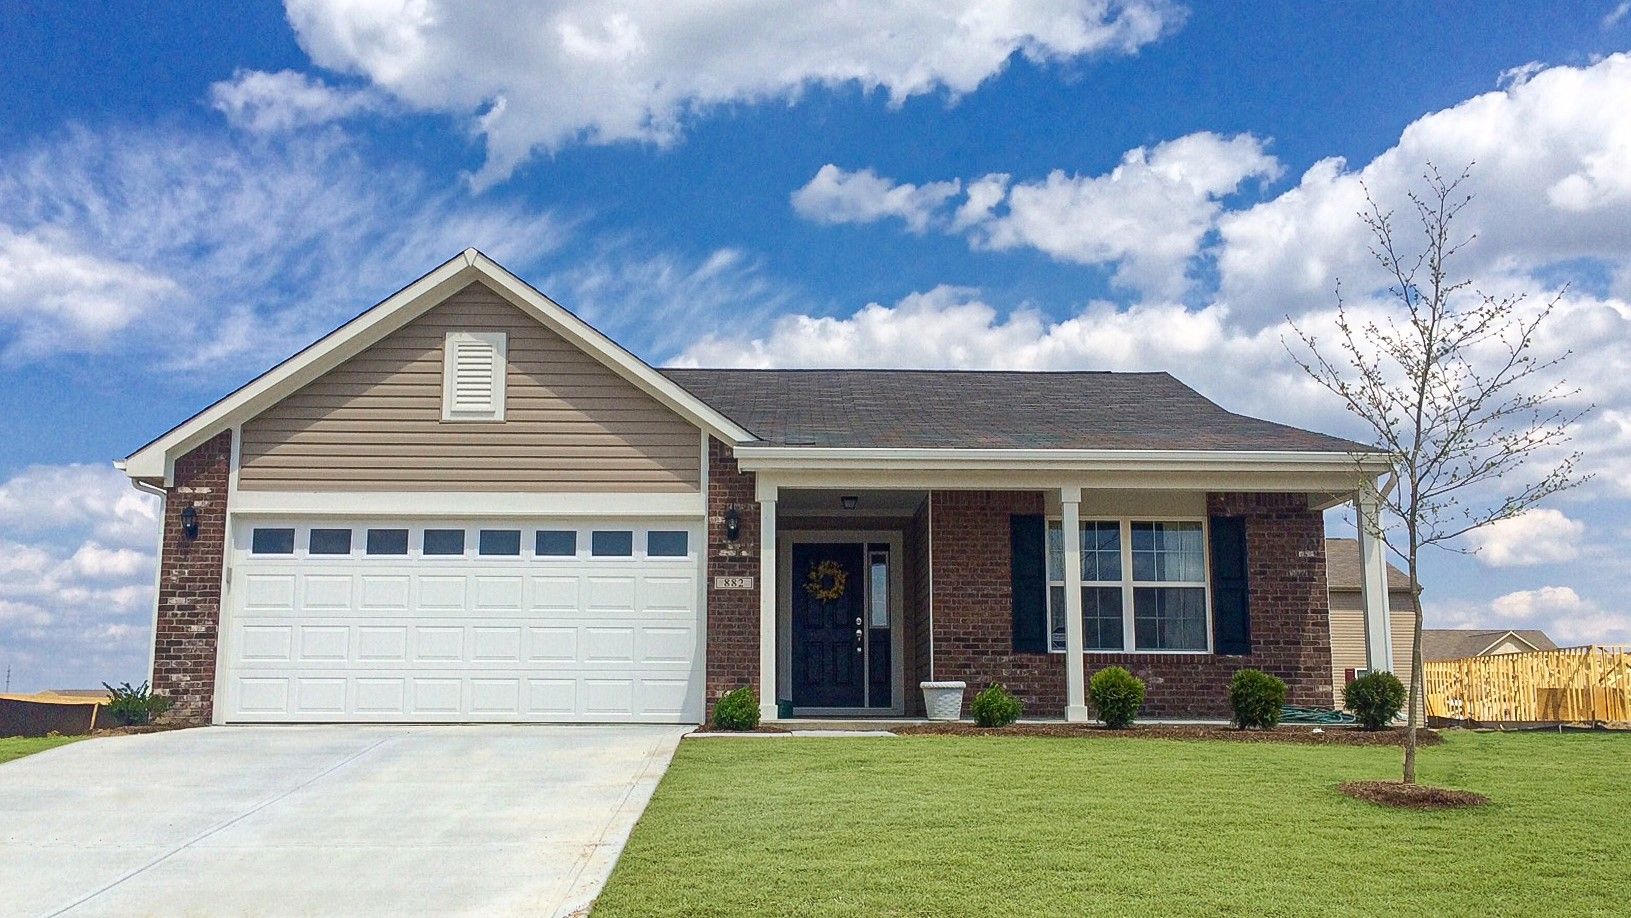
pixel 1009 826
pixel 15 747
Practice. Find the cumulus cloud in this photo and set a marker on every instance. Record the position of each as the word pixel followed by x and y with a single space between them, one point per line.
pixel 76 599
pixel 250 246
pixel 595 72
pixel 837 196
pixel 1553 183
pixel 263 102
pixel 1539 536
pixel 1564 614
pixel 1147 216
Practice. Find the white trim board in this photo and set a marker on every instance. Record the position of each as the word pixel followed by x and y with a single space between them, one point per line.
pixel 688 504
pixel 156 459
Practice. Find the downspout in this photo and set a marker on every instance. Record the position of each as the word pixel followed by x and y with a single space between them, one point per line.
pixel 929 538
pixel 158 572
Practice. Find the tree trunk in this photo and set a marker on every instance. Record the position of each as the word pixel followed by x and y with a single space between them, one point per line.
pixel 1416 682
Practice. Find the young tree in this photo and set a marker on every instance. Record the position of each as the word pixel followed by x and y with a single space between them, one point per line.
pixel 1451 387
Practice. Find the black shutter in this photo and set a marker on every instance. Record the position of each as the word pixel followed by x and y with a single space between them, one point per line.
pixel 1028 539
pixel 1231 605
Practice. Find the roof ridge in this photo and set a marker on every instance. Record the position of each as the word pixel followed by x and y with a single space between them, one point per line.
pixel 911 370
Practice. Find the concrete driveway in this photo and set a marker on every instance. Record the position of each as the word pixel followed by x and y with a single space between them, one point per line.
pixel 489 820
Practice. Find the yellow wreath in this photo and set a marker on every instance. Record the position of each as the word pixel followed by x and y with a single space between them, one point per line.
pixel 826 581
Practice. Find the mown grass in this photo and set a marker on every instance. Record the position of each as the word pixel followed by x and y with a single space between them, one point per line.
pixel 1011 826
pixel 15 747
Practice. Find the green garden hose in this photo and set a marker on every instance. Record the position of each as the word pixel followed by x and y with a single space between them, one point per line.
pixel 1292 714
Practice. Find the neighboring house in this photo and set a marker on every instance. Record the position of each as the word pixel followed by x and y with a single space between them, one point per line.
pixel 467 504
pixel 1344 572
pixel 1457 643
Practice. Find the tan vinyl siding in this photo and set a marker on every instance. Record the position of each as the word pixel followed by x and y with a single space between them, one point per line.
pixel 375 422
pixel 1348 635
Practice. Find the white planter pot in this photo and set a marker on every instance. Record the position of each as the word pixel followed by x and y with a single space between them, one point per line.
pixel 943 700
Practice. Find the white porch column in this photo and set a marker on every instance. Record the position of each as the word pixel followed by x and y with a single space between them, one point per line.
pixel 767 602
pixel 1070 520
pixel 1373 582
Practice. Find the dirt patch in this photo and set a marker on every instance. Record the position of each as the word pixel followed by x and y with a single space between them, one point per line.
pixel 762 728
pixel 1411 796
pixel 1331 736
pixel 144 728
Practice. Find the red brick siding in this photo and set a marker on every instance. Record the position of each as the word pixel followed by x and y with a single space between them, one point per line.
pixel 973 624
pixel 733 615
pixel 190 573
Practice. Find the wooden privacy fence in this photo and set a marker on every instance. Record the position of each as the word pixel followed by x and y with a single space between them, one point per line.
pixel 1587 685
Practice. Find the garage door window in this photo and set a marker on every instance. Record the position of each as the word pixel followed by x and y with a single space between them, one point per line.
pixel 387 541
pixel 556 543
pixel 611 543
pixel 500 542
pixel 329 542
pixel 266 541
pixel 662 543
pixel 444 542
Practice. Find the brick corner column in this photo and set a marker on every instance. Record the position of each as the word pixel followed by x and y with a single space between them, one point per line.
pixel 733 615
pixel 190 580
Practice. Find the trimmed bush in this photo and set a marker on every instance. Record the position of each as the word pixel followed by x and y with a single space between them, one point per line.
pixel 737 710
pixel 134 707
pixel 1256 698
pixel 1117 695
pixel 1375 699
pixel 996 707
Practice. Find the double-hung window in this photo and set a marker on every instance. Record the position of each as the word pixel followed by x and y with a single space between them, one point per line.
pixel 1143 586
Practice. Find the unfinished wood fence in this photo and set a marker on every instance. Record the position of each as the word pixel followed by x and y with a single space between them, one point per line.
pixel 1586 685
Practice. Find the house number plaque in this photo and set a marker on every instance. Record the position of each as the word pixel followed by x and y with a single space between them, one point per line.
pixel 733 583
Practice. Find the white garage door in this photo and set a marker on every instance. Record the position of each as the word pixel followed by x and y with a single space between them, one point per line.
pixel 450 621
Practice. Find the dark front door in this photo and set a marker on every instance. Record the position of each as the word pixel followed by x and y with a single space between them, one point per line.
pixel 829 668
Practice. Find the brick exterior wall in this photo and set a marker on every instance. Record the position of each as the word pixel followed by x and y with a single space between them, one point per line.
pixel 733 615
pixel 190 573
pixel 973 623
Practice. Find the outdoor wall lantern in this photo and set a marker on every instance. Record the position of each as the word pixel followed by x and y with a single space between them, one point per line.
pixel 849 501
pixel 189 522
pixel 733 524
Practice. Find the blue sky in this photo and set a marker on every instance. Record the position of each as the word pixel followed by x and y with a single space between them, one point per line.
pixel 188 194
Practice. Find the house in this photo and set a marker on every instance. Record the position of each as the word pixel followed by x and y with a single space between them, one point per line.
pixel 1458 643
pixel 1344 570
pixel 467 504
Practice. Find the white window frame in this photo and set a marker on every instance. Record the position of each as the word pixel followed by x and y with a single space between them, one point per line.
pixel 498 341
pixel 1129 636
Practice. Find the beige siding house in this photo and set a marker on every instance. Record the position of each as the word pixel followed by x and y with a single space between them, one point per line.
pixel 1460 643
pixel 1343 571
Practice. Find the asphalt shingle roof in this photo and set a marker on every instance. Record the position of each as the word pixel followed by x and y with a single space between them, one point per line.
pixel 974 409
pixel 1457 643
pixel 1344 566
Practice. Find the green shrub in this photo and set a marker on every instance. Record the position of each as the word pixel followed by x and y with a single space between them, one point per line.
pixel 1375 699
pixel 1117 695
pixel 1256 698
pixel 737 710
pixel 996 707
pixel 134 707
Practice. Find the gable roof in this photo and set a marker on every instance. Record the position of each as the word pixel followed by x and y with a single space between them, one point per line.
pixel 1456 643
pixel 1344 569
pixel 154 460
pixel 988 409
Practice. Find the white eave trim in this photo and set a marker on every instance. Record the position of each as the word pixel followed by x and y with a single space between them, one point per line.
pixel 790 458
pixel 467 504
pixel 153 461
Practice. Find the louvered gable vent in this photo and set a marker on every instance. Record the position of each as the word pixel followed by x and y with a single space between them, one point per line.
pixel 473 377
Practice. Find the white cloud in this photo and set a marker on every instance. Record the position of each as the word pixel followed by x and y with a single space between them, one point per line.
pixel 1616 15
pixel 1539 536
pixel 253 246
pixel 1563 614
pixel 597 72
pixel 1147 216
pixel 76 598
pixel 837 196
pixel 263 102
pixel 1553 183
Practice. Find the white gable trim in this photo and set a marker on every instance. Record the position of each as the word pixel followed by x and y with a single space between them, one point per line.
pixel 1502 639
pixel 156 460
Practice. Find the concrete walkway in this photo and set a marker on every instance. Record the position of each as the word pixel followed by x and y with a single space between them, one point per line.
pixel 477 820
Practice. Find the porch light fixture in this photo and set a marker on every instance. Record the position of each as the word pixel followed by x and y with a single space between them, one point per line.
pixel 189 522
pixel 733 524
pixel 849 501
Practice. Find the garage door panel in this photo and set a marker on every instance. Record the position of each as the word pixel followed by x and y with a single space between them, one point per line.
pixel 447 639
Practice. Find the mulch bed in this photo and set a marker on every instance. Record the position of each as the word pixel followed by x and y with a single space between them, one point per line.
pixel 1411 796
pixel 144 728
pixel 762 728
pixel 1332 736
